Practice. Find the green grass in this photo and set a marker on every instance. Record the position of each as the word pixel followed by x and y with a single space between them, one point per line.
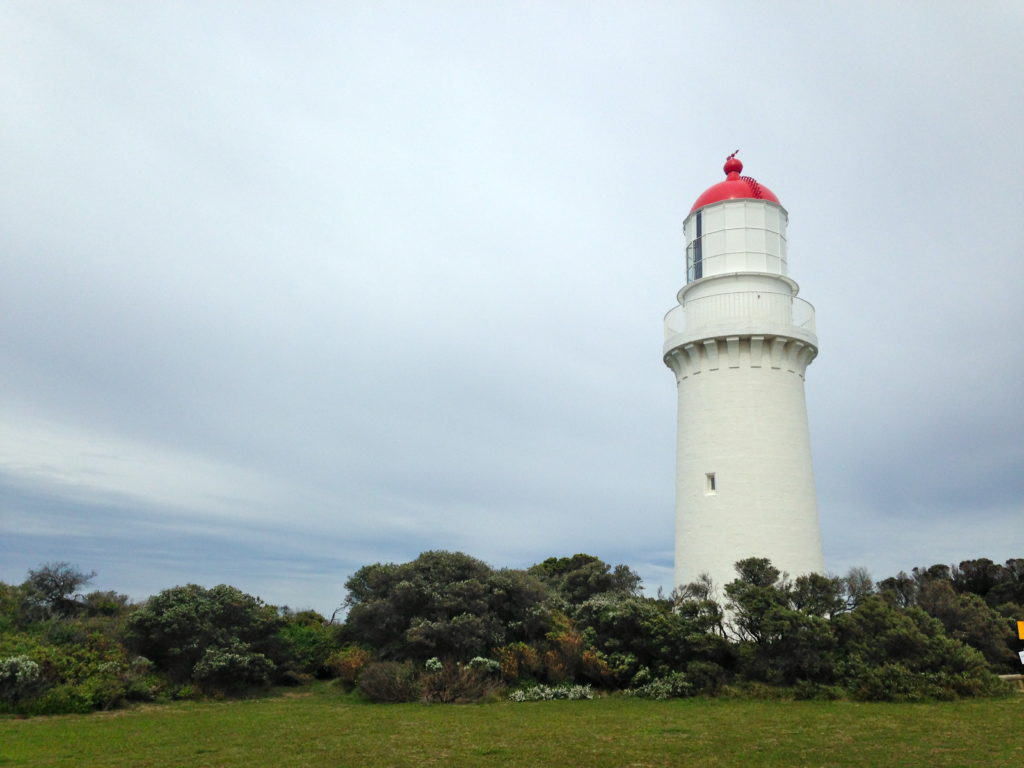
pixel 321 727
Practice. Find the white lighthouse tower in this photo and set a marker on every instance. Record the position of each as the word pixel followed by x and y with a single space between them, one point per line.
pixel 739 343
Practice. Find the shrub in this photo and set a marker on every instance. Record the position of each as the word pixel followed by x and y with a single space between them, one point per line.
pixel 706 677
pixel 518 661
pixel 458 683
pixel 443 604
pixel 347 663
pixel 177 627
pixel 20 679
pixel 671 686
pixel 552 692
pixel 307 644
pixel 232 668
pixel 562 661
pixel 389 681
pixel 489 666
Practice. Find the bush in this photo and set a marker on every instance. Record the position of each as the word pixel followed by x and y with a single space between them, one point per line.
pixel 452 683
pixel 389 681
pixel 233 668
pixel 178 627
pixel 308 644
pixel 518 661
pixel 443 604
pixel 347 663
pixel 552 692
pixel 706 677
pixel 489 666
pixel 672 686
pixel 20 679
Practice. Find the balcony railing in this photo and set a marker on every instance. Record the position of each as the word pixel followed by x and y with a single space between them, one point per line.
pixel 740 312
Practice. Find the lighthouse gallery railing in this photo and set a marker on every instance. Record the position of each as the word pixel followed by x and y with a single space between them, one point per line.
pixel 739 311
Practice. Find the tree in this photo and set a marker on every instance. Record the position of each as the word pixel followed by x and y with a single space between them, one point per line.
pixel 782 635
pixel 750 597
pixel 1010 588
pixel 858 586
pixel 977 576
pixel 818 595
pixel 51 589
pixel 900 590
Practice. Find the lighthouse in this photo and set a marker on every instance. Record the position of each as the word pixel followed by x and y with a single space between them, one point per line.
pixel 739 343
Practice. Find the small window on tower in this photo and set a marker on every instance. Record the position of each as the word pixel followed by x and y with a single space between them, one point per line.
pixel 710 485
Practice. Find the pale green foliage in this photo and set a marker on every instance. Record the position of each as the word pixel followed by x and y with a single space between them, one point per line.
pixel 233 667
pixel 490 666
pixel 552 692
pixel 671 686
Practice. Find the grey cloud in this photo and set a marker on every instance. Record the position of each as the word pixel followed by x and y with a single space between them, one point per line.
pixel 406 265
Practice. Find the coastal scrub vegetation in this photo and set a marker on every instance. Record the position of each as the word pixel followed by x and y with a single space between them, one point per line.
pixel 447 627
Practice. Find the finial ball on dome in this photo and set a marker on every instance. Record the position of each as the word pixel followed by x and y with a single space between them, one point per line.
pixel 732 164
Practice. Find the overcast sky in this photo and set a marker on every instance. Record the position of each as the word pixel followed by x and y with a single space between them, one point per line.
pixel 290 288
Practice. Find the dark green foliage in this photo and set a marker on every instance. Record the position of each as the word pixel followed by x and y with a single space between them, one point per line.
pixel 105 604
pixel 1010 586
pixel 443 604
pixel 895 655
pixel 705 677
pixel 177 628
pixel 580 577
pixel 978 577
pixel 900 590
pixel 819 595
pixel 968 618
pixel 637 633
pixel 782 635
pixel 934 634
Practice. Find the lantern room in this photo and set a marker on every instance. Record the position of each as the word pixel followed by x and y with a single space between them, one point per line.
pixel 737 225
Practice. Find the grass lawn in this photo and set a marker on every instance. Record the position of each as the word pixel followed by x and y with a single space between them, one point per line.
pixel 321 727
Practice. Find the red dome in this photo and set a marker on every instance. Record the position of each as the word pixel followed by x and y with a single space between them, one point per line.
pixel 734 187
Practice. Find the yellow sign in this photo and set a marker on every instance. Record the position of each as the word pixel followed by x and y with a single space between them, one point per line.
pixel 1020 629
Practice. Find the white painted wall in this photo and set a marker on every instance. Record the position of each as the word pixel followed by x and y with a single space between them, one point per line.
pixel 739 344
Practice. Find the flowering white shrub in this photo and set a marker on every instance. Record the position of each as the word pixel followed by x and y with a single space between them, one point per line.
pixel 20 677
pixel 673 686
pixel 484 665
pixel 552 692
pixel 433 664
